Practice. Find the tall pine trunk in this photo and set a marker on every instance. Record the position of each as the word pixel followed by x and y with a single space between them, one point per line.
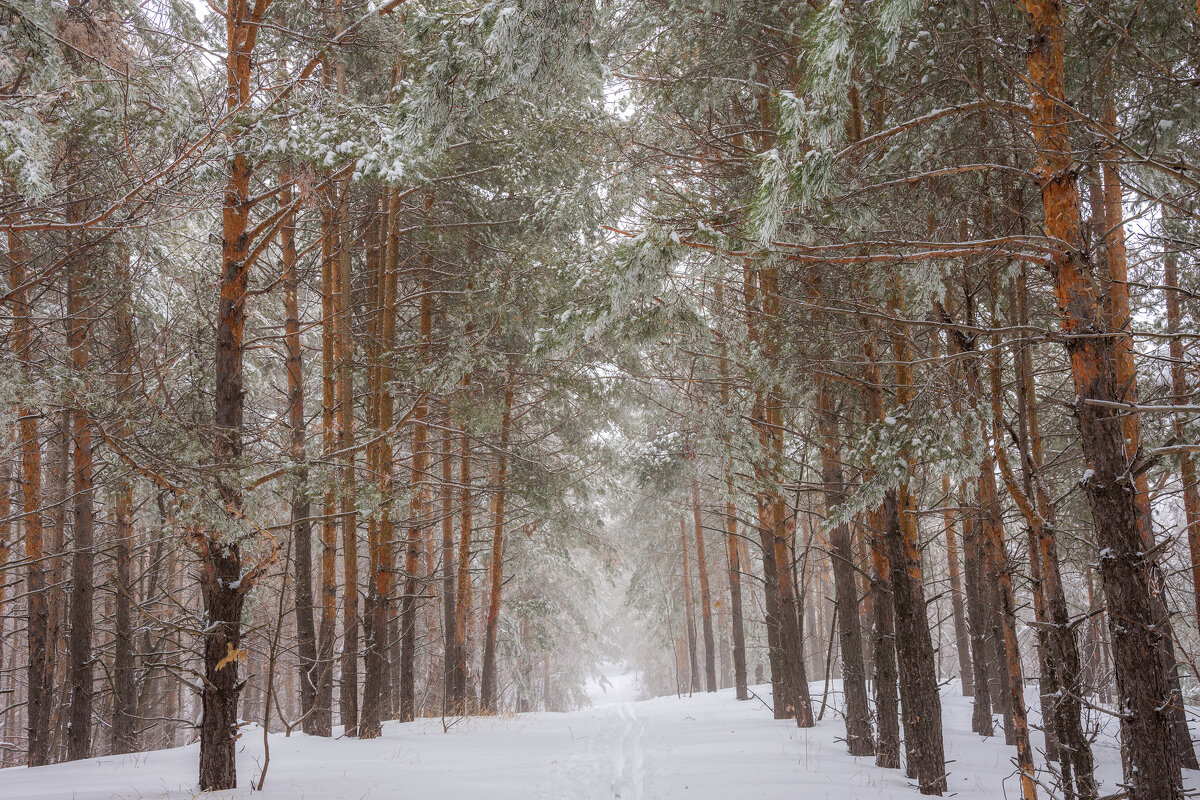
pixel 488 688
pixel 417 510
pixel 1143 685
pixel 778 531
pixel 883 645
pixel 449 632
pixel 223 585
pixel 920 699
pixel 124 717
pixel 962 639
pixel 327 635
pixel 733 551
pixel 737 627
pixel 1117 307
pixel 7 654
pixel 382 551
pixel 220 554
pixel 301 527
pixel 859 738
pixel 83 558
pixel 887 700
pixel 689 608
pixel 1001 573
pixel 706 623
pixel 1179 396
pixel 344 355
pixel 38 636
pixel 463 588
pixel 1063 716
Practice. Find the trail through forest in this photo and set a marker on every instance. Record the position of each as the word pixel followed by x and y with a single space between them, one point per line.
pixel 387 372
pixel 704 747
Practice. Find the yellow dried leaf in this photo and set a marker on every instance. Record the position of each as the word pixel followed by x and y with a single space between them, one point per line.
pixel 232 655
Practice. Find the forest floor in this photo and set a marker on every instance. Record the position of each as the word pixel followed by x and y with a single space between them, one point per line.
pixel 707 747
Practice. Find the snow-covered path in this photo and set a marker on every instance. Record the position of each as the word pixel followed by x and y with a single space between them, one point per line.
pixel 708 747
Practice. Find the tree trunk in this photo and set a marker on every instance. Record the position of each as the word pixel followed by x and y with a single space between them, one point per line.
pixel 922 704
pixel 382 552
pixel 979 609
pixel 223 586
pixel 488 689
pixel 431 698
pixel 38 689
pixel 978 615
pixel 301 527
pixel 999 576
pixel 7 655
pixel 344 349
pixel 322 717
pixel 124 717
pixel 733 551
pixel 780 705
pixel 887 702
pixel 1143 685
pixel 771 437
pixel 1063 716
pixel 463 587
pixel 962 639
pixel 689 609
pixel 1048 680
pixel 710 666
pixel 416 513
pixel 1006 612
pixel 859 738
pixel 83 558
pixel 222 651
pixel 919 696
pixel 57 499
pixel 1179 396
pixel 386 574
pixel 781 702
pixel 449 631
pixel 1117 298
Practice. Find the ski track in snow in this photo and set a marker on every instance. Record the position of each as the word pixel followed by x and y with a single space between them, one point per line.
pixel 629 763
pixel 706 747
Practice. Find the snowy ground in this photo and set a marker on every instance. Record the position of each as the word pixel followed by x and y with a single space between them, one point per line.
pixel 707 747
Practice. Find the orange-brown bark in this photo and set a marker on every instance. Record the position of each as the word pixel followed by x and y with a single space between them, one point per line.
pixel 449 603
pixel 344 356
pixel 777 518
pixel 1179 396
pixel 124 719
pixel 38 698
pixel 920 700
pixel 381 264
pixel 222 582
pixel 488 687
pixel 417 511
pixel 732 548
pixel 710 667
pixel 859 738
pixel 463 585
pixel 330 234
pixel 1117 298
pixel 689 607
pixel 1063 715
pixel 80 663
pixel 301 508
pixel 1127 575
